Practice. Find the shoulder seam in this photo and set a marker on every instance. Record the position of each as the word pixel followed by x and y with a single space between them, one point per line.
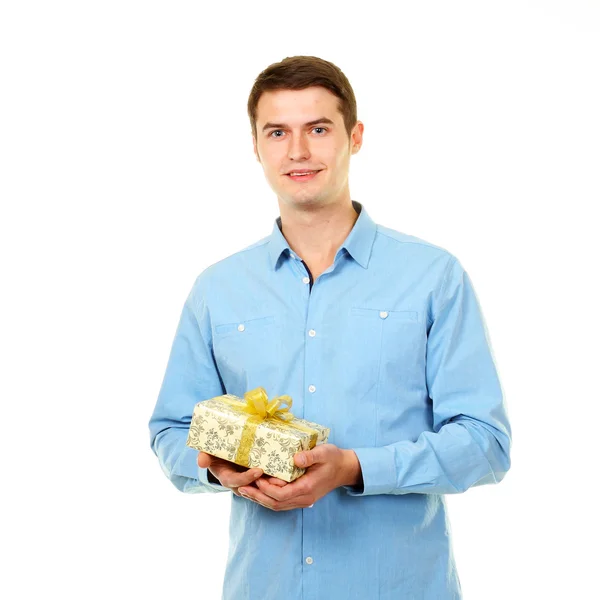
pixel 258 244
pixel 419 243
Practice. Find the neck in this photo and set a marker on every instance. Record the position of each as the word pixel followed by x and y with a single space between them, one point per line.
pixel 315 235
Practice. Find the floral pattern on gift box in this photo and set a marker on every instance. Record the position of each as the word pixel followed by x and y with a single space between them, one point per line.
pixel 258 451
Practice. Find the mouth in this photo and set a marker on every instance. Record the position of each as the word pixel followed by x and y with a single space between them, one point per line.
pixel 302 175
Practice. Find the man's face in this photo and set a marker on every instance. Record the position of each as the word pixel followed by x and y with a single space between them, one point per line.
pixel 300 130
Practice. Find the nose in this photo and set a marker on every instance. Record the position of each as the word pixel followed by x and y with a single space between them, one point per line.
pixel 298 148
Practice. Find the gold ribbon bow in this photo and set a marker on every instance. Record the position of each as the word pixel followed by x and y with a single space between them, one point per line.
pixel 259 409
pixel 257 403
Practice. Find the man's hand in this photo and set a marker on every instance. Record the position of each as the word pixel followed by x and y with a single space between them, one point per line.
pixel 229 474
pixel 327 468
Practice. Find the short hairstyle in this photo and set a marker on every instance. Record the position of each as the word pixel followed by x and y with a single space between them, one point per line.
pixel 301 72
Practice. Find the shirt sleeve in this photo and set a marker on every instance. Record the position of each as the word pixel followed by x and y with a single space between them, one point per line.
pixel 191 376
pixel 471 438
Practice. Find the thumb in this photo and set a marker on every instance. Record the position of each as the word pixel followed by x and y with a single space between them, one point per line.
pixel 204 459
pixel 306 458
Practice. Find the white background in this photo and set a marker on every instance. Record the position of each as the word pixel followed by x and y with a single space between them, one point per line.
pixel 126 168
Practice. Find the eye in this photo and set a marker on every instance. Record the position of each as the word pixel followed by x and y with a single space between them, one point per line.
pixel 320 130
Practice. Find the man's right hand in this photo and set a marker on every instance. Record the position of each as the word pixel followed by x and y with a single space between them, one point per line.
pixel 229 474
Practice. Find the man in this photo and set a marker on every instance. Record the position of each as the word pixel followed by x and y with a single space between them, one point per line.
pixel 373 333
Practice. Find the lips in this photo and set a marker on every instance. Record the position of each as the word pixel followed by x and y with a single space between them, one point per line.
pixel 303 172
pixel 303 175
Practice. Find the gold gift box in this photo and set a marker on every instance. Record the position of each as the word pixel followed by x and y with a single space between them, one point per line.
pixel 254 432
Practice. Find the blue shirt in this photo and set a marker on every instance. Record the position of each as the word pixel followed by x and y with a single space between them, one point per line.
pixel 388 348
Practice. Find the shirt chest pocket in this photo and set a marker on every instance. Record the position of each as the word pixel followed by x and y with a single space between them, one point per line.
pixel 247 349
pixel 395 345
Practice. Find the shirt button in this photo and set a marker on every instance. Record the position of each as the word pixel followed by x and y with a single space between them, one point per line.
pixel 306 280
pixel 312 333
pixel 383 314
pixel 309 560
pixel 241 327
pixel 311 388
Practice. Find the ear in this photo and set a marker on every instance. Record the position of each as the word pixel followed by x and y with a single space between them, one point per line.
pixel 356 137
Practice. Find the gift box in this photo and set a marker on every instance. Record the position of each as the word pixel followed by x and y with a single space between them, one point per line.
pixel 254 432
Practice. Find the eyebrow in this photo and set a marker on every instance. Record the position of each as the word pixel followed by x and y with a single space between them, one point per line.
pixel 283 125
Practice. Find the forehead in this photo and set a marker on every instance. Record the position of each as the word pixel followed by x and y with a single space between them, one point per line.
pixel 297 106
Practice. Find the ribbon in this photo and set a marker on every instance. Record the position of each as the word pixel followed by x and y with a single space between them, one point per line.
pixel 257 403
pixel 259 410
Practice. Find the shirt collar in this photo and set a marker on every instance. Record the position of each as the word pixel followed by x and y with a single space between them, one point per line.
pixel 358 243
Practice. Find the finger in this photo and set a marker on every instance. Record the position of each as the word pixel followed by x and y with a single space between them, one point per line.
pixel 231 478
pixel 271 490
pixel 256 495
pixel 298 502
pixel 303 501
pixel 277 481
pixel 291 490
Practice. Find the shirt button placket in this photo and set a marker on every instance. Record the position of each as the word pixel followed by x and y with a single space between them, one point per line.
pixel 312 388
pixel 312 357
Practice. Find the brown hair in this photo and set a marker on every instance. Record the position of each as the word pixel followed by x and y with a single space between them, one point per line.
pixel 298 73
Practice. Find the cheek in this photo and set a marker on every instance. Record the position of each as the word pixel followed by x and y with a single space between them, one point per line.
pixel 273 162
pixel 342 164
pixel 271 167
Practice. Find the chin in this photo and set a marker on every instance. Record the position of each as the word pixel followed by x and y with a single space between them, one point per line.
pixel 294 201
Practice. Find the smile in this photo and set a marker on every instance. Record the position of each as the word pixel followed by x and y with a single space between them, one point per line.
pixel 303 176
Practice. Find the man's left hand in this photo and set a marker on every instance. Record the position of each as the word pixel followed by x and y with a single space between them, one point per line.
pixel 327 468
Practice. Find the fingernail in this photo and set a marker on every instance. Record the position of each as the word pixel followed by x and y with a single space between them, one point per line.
pixel 302 460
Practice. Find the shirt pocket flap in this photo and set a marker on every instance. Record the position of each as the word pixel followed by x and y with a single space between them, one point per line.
pixel 247 326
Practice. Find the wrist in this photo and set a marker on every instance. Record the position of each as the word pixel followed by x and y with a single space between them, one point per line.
pixel 352 472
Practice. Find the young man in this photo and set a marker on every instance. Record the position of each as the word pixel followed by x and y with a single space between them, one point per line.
pixel 373 333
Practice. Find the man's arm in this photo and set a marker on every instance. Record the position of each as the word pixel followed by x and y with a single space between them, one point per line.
pixel 191 376
pixel 471 437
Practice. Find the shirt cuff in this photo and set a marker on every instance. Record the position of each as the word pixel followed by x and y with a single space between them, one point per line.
pixel 378 468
